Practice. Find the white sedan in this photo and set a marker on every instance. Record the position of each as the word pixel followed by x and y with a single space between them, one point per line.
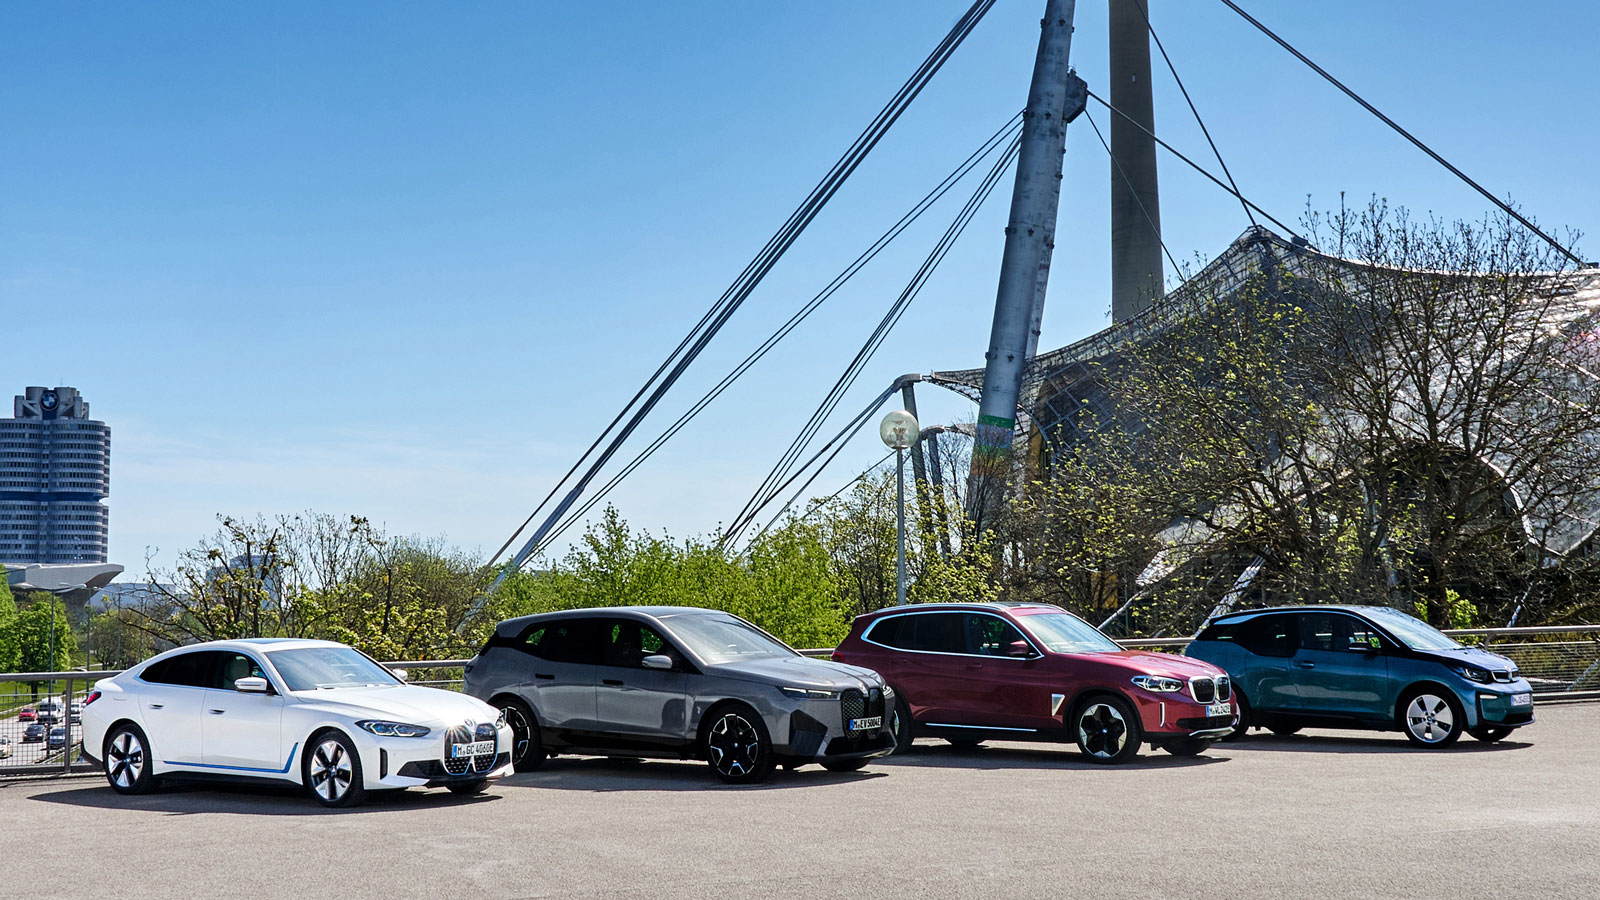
pixel 314 713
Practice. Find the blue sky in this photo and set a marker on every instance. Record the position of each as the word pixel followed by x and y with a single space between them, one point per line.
pixel 405 260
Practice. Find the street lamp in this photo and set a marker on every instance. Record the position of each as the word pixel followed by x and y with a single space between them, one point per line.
pixel 899 431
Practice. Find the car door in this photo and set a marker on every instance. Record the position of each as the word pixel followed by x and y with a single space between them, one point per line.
pixel 1340 668
pixel 1001 690
pixel 1263 675
pixel 564 654
pixel 239 730
pixel 930 665
pixel 633 702
pixel 171 692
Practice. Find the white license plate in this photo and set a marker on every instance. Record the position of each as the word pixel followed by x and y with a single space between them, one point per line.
pixel 866 724
pixel 481 748
pixel 1219 709
pixel 1521 699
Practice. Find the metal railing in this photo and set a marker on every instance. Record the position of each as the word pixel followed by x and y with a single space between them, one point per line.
pixel 1560 662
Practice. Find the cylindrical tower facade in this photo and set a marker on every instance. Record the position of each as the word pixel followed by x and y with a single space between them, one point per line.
pixel 55 474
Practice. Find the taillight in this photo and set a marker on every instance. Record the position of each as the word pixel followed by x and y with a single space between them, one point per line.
pixel 93 696
pixel 836 656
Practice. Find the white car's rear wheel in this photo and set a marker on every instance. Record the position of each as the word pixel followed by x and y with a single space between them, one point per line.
pixel 127 760
pixel 332 771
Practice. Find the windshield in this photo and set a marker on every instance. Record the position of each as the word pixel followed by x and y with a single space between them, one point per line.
pixel 1413 632
pixel 719 639
pixel 310 668
pixel 1066 633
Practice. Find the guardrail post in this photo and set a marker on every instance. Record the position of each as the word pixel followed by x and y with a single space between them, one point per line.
pixel 66 742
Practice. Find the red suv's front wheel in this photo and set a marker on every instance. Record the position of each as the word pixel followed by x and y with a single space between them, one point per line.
pixel 1107 730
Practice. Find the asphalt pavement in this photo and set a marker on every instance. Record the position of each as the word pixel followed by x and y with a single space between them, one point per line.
pixel 1323 814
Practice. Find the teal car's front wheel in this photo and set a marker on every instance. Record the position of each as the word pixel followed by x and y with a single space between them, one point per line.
pixel 1432 718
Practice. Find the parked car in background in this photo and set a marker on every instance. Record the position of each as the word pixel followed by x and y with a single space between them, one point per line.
pixel 75 711
pixel 1363 667
pixel 5 747
pixel 58 738
pixel 27 714
pixel 1034 672
pixel 677 682
pixel 33 734
pixel 314 713
pixel 49 711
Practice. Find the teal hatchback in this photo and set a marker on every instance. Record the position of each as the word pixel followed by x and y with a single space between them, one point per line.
pixel 1362 667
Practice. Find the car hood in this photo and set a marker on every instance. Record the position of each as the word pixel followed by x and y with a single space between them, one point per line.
pixel 1471 656
pixel 1149 662
pixel 800 671
pixel 409 703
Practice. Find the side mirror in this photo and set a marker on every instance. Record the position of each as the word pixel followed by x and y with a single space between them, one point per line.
pixel 657 661
pixel 1019 649
pixel 252 685
pixel 401 674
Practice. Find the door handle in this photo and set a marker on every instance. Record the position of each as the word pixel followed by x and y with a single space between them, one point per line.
pixel 1305 664
pixel 156 705
pixel 544 676
pixel 611 681
pixel 218 712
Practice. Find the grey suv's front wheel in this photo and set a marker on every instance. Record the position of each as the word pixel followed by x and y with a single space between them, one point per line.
pixel 737 746
pixel 527 747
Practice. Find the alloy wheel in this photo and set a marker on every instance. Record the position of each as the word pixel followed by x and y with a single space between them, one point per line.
pixel 520 733
pixel 125 759
pixel 1430 719
pixel 331 771
pixel 734 745
pixel 1102 732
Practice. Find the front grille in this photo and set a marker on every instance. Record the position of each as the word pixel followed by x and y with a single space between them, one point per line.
pixel 855 705
pixel 436 769
pixel 1203 689
pixel 466 734
pixel 1502 675
pixel 1224 688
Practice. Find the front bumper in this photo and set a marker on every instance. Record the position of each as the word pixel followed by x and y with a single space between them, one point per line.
pixel 1176 716
pixel 1499 707
pixel 816 732
pixel 394 762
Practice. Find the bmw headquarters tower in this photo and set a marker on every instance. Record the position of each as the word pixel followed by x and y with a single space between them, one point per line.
pixel 55 471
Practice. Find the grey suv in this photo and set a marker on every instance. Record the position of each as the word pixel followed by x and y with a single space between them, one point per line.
pixel 677 682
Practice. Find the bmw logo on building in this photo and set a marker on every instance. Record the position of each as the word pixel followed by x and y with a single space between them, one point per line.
pixel 48 401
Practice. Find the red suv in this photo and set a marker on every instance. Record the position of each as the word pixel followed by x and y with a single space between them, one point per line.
pixel 1032 672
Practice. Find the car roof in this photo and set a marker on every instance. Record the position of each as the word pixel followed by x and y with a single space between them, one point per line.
pixel 260 644
pixel 995 606
pixel 1357 609
pixel 511 626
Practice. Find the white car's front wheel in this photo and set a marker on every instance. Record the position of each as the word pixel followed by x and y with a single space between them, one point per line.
pixel 332 770
pixel 127 760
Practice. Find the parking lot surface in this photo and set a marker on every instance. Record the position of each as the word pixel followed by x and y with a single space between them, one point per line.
pixel 1324 814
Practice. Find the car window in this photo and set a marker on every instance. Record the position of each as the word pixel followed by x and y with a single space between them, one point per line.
pixel 990 635
pixel 1360 635
pixel 890 632
pixel 626 644
pixel 1325 631
pixel 1272 635
pixel 569 641
pixel 234 666
pixel 328 668
pixel 1222 631
pixel 941 632
pixel 187 669
pixel 723 638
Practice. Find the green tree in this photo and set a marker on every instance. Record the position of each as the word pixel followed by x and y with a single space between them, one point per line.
pixel 45 648
pixel 10 640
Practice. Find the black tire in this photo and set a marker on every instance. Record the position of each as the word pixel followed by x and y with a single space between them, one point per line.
pixel 965 743
pixel 1187 747
pixel 468 788
pixel 1284 730
pixel 902 724
pixel 1490 733
pixel 1107 730
pixel 126 760
pixel 527 744
pixel 1431 717
pixel 331 770
pixel 845 765
pixel 1241 724
pixel 736 745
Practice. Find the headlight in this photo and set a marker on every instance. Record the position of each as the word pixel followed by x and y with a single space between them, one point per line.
pixel 1473 673
pixel 808 693
pixel 1158 684
pixel 391 729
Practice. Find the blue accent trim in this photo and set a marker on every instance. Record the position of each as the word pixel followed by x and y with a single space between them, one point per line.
pixel 282 771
